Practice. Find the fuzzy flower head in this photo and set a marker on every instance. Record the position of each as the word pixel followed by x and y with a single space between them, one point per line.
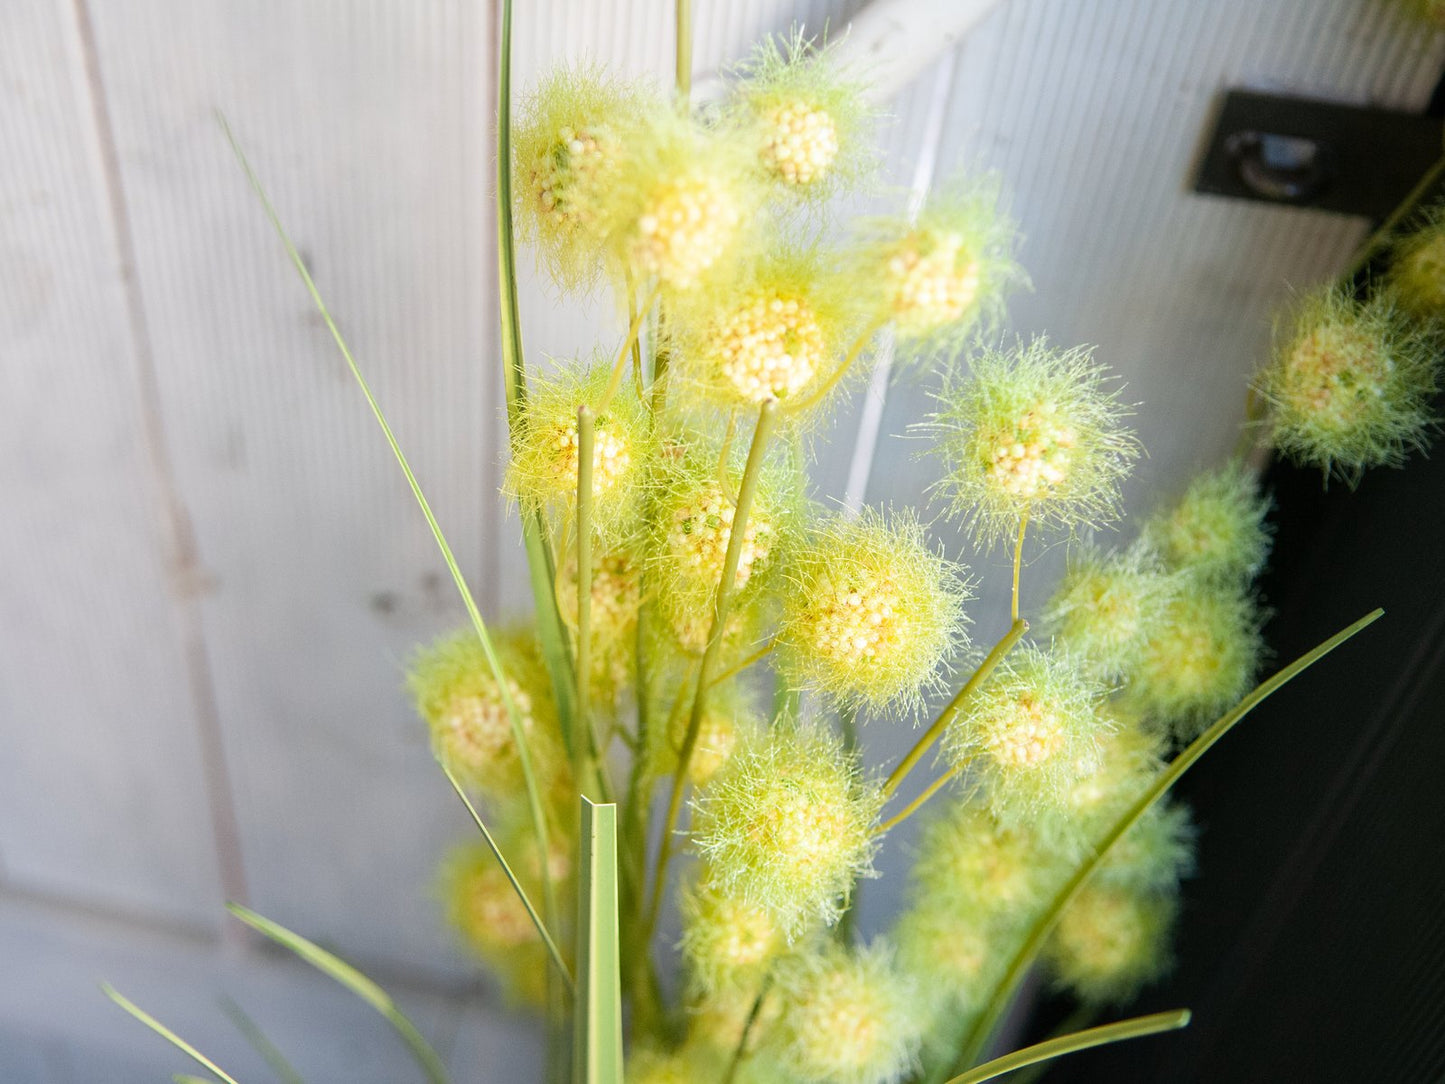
pixel 806 117
pixel 871 613
pixel 1349 386
pixel 1417 265
pixel 786 825
pixel 727 942
pixel 849 1017
pixel 942 275
pixel 570 145
pixel 1108 605
pixel 683 202
pixel 972 864
pixel 778 332
pixel 1203 659
pixel 1030 733
pixel 1110 941
pixel 613 618
pixel 457 694
pixel 546 454
pixel 1033 433
pixel 1217 530
pixel 955 955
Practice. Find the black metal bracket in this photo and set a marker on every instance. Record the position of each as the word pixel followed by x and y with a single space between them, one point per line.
pixel 1302 152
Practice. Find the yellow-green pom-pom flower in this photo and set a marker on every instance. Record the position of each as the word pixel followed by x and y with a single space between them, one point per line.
pixel 805 115
pixel 727 942
pixel 786 825
pixel 1030 733
pixel 871 612
pixel 1108 605
pixel 779 332
pixel 1218 529
pixel 545 456
pixel 570 144
pixel 1349 386
pixel 940 276
pixel 683 203
pixel 1033 433
pixel 457 694
pixel 1110 941
pixel 848 1017
pixel 1417 262
pixel 979 867
pixel 954 955
pixel 1202 660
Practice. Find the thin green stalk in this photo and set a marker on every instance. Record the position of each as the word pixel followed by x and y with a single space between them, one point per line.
pixel 934 732
pixel 741 1050
pixel 619 367
pixel 353 980
pixel 164 1032
pixel 917 803
pixel 539 821
pixel 738 667
pixel 585 442
pixel 275 1060
pixel 1003 994
pixel 1136 1028
pixel 848 920
pixel 684 51
pixel 722 600
pixel 542 931
pixel 832 382
pixel 1018 564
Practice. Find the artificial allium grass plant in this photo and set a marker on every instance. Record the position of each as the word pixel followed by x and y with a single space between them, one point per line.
pixel 706 635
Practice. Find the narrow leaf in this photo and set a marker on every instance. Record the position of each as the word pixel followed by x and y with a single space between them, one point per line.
pixel 512 877
pixel 353 980
pixel 597 1049
pixel 164 1032
pixel 1023 959
pixel 539 821
pixel 262 1045
pixel 1080 1040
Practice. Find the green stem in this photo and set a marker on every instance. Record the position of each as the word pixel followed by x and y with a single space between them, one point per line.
pixel 585 444
pixel 1018 564
pixel 1136 1028
pixel 619 367
pixel 752 473
pixel 832 382
pixel 741 1050
pixel 684 51
pixel 934 732
pixel 917 803
pixel 738 667
pixel 1023 959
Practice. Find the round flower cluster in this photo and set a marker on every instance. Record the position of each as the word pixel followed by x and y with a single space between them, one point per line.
pixel 613 617
pixel 1107 606
pixel 786 825
pixel 687 223
pixel 701 525
pixel 1417 267
pixel 1218 529
pixel 770 346
pixel 1350 385
pixel 569 180
pixel 800 142
pixel 726 941
pixel 848 1017
pixel 932 281
pixel 1033 435
pixel 1110 941
pixel 873 611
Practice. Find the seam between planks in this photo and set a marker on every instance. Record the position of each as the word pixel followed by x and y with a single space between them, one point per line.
pixel 184 570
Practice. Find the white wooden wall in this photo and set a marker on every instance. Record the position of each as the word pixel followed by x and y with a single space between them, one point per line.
pixel 210 570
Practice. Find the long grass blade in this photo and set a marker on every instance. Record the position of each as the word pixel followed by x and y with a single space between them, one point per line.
pixel 516 885
pixel 541 563
pixel 1136 1028
pixel 353 980
pixel 164 1032
pixel 597 1049
pixel 539 820
pixel 1003 995
pixel 268 1050
pixel 187 1078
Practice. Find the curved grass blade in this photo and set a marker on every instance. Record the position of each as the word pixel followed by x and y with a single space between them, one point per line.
pixel 539 821
pixel 253 1034
pixel 354 981
pixel 1023 959
pixel 1136 1028
pixel 187 1078
pixel 541 563
pixel 164 1032
pixel 597 1049
pixel 512 877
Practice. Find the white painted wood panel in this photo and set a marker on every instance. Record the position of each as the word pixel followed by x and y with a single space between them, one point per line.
pixel 101 789
pixel 368 123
